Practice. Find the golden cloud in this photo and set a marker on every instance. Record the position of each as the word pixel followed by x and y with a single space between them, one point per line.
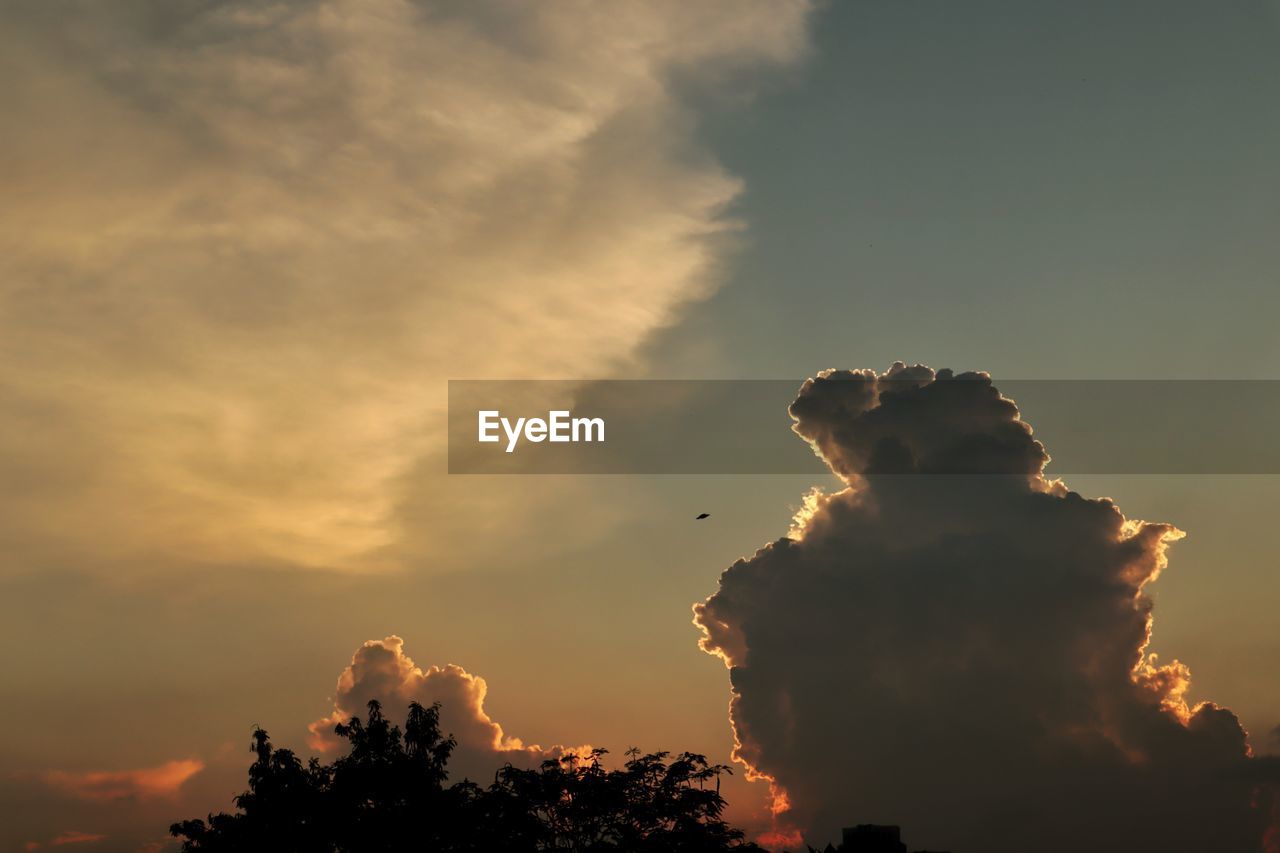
pixel 247 245
pixel 381 670
pixel 146 783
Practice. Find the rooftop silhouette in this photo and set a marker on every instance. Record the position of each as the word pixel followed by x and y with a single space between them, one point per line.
pixel 871 838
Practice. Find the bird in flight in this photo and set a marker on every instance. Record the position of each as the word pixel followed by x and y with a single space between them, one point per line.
pixel 702 515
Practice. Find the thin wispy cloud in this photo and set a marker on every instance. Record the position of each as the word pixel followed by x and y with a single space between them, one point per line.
pixel 247 244
pixel 164 780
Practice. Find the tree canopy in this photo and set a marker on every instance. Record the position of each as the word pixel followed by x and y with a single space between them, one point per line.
pixel 389 793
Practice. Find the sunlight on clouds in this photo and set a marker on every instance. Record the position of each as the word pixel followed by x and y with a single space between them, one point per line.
pixel 380 670
pixel 71 836
pixel 985 637
pixel 248 243
pixel 162 781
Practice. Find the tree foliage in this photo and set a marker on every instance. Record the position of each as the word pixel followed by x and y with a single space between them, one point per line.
pixel 389 793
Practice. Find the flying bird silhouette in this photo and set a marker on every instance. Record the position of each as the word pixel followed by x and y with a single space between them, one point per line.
pixel 702 516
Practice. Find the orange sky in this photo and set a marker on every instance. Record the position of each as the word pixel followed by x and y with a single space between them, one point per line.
pixel 244 248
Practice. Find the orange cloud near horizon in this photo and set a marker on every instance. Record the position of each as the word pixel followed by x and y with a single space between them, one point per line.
pixel 70 836
pixel 381 670
pixel 145 783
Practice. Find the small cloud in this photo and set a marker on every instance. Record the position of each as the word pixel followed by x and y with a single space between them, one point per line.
pixel 73 836
pixel 381 670
pixel 70 836
pixel 142 784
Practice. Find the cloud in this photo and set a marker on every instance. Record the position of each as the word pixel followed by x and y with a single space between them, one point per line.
pixel 71 836
pixel 247 243
pixel 146 783
pixel 957 644
pixel 381 670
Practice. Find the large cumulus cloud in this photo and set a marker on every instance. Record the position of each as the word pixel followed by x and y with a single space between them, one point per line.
pixel 958 644
pixel 381 670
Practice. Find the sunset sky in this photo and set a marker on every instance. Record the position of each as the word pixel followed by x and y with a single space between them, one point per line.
pixel 246 245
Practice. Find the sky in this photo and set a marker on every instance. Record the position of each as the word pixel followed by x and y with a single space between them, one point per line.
pixel 246 245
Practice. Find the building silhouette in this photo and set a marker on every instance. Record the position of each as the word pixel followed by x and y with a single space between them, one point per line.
pixel 873 838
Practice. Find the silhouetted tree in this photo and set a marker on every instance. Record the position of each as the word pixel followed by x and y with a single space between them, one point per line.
pixel 388 793
pixel 282 810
